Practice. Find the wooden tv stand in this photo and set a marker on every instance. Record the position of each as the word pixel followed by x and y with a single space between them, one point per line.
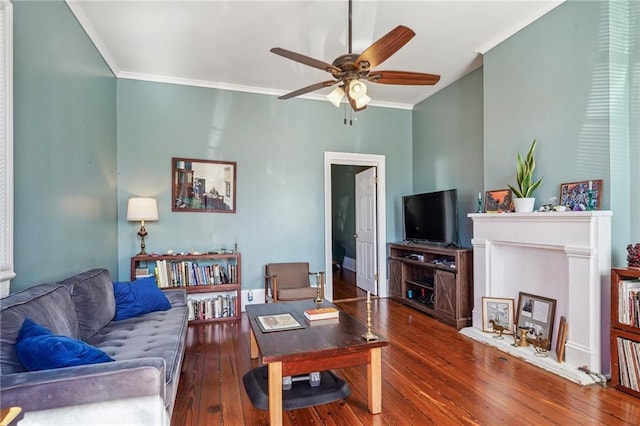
pixel 433 279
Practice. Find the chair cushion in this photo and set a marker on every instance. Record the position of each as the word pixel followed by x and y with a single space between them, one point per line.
pixel 39 349
pixel 296 293
pixel 139 297
pixel 290 275
pixel 92 294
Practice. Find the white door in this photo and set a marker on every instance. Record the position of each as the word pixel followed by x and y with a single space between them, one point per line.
pixel 366 265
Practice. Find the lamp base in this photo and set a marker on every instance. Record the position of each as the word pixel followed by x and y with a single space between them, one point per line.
pixel 142 233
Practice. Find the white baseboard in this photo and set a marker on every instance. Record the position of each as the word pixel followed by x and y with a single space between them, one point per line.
pixel 349 263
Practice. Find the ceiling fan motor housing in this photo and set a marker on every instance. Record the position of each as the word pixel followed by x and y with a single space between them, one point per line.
pixel 346 62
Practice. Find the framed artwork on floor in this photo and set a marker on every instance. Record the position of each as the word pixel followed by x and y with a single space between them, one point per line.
pixel 563 331
pixel 537 314
pixel 496 313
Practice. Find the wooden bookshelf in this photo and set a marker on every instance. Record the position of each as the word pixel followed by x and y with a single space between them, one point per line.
pixel 625 364
pixel 181 273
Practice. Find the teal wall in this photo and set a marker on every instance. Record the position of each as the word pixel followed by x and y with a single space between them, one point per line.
pixel 549 82
pixel 571 80
pixel 557 80
pixel 64 148
pixel 447 146
pixel 279 149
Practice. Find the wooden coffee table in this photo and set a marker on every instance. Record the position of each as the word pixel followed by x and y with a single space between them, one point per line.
pixel 320 345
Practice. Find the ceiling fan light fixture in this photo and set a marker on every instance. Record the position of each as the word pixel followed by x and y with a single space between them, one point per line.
pixel 336 96
pixel 362 101
pixel 357 89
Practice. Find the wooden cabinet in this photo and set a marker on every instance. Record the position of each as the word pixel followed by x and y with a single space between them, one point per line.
pixel 625 333
pixel 434 280
pixel 213 281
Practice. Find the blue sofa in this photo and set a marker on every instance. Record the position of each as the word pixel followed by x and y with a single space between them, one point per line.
pixel 148 349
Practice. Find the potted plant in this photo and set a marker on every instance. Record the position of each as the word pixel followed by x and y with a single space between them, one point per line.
pixel 524 201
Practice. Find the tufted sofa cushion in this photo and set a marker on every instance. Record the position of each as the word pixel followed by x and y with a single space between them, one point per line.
pixel 149 335
pixel 48 304
pixel 92 294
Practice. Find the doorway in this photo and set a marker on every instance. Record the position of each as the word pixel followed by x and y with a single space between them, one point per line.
pixel 367 161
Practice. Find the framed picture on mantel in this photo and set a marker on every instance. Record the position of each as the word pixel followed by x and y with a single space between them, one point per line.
pixel 203 186
pixel 575 195
pixel 498 201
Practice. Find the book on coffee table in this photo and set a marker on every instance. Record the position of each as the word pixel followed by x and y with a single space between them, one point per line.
pixel 278 322
pixel 321 313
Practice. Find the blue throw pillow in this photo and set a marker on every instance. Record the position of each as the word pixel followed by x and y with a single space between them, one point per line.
pixel 39 349
pixel 139 297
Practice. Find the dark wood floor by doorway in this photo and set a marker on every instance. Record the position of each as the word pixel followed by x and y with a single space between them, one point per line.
pixel 432 375
pixel 344 286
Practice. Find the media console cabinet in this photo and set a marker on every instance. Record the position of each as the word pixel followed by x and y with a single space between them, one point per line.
pixel 433 279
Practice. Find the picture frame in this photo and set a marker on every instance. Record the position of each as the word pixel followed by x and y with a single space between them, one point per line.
pixel 499 310
pixel 563 331
pixel 203 185
pixel 498 201
pixel 574 195
pixel 536 313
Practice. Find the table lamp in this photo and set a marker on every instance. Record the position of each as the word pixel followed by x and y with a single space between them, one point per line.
pixel 142 209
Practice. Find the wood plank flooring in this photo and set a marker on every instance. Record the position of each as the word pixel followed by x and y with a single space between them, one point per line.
pixel 432 375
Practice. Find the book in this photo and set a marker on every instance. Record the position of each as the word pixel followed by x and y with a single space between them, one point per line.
pixel 278 322
pixel 321 313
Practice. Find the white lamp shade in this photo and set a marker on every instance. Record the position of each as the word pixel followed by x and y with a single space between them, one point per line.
pixel 336 96
pixel 357 89
pixel 362 101
pixel 142 209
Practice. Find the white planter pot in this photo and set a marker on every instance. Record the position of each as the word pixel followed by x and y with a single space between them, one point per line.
pixel 524 205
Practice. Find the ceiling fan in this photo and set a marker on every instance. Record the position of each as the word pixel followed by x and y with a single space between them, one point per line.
pixel 350 69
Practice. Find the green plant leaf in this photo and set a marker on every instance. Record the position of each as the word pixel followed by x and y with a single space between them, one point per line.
pixel 524 174
pixel 516 191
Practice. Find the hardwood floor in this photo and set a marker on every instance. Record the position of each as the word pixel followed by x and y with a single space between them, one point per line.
pixel 431 375
pixel 344 286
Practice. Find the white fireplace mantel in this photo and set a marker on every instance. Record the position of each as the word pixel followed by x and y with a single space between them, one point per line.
pixel 565 256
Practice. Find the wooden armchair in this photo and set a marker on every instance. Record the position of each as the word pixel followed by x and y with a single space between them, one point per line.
pixel 291 281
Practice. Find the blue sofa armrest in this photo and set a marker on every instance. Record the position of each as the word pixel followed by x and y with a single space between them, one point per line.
pixel 177 297
pixel 85 384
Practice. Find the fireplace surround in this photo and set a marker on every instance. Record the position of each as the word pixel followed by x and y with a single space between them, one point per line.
pixel 561 255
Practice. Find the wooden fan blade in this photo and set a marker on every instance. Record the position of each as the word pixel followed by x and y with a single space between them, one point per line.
pixel 309 89
pixel 403 77
pixel 315 63
pixel 386 46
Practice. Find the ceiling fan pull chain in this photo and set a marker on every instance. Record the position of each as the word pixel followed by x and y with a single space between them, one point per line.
pixel 345 114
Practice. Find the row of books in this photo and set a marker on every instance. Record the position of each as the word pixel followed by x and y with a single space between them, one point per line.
pixel 629 363
pixel 221 306
pixel 187 273
pixel 629 302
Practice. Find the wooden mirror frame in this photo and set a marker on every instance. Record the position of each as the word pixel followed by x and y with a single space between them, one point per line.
pixel 203 185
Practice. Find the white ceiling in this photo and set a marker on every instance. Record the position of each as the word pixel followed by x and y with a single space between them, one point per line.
pixel 225 44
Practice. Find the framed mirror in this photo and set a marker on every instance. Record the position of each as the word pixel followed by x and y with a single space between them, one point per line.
pixel 203 185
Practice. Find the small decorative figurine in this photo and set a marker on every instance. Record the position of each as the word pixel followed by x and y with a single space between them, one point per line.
pixel 633 258
pixel 497 328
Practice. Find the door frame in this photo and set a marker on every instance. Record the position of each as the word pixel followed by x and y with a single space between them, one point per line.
pixel 354 159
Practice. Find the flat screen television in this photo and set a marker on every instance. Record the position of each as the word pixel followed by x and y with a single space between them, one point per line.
pixel 431 217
